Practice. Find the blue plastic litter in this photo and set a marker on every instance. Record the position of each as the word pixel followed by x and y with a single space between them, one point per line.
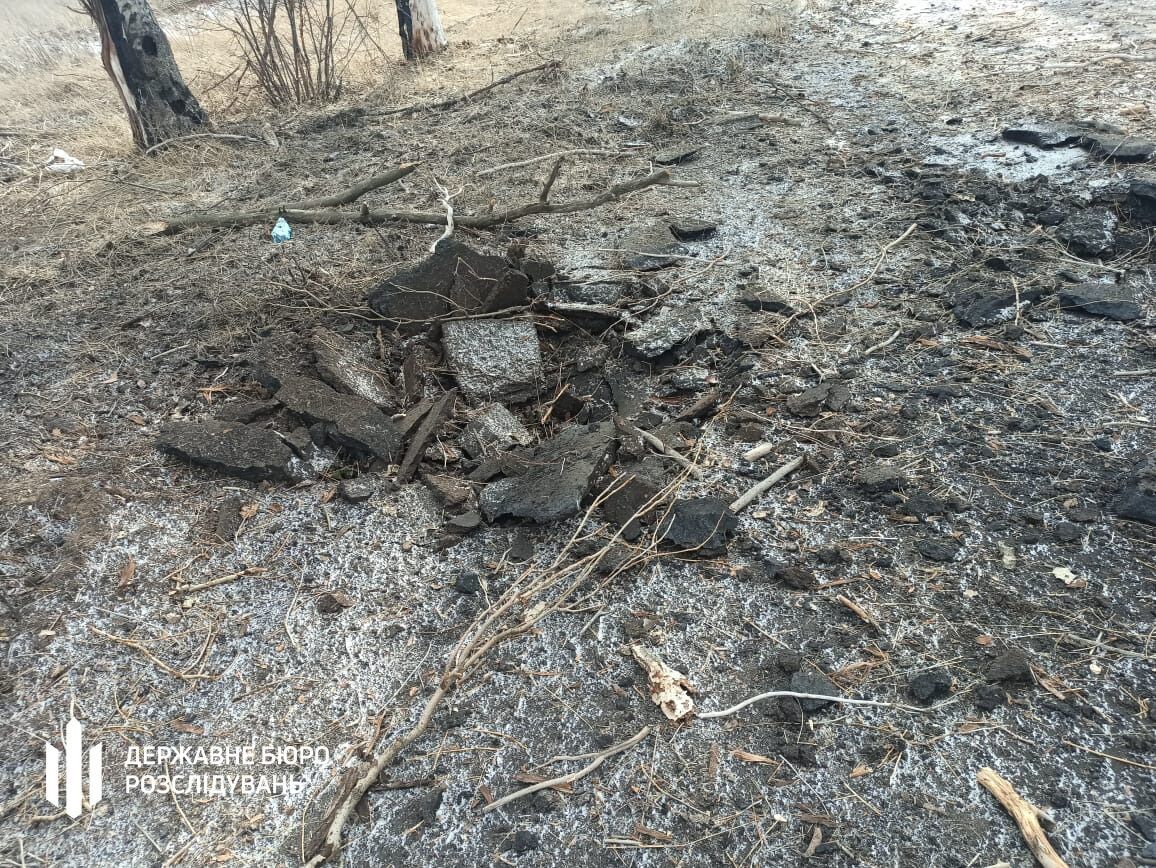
pixel 282 231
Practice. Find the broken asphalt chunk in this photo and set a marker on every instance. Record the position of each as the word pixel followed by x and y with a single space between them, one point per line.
pixel 1043 135
pixel 453 280
pixel 494 359
pixel 243 451
pixel 664 331
pixel 550 481
pixel 1123 149
pixel 812 402
pixel 1137 498
pixel 651 249
pixel 978 307
pixel 699 524
pixel 677 154
pixel 343 365
pixel 493 429
pixel 350 421
pixel 692 229
pixel 1111 300
pixel 1089 233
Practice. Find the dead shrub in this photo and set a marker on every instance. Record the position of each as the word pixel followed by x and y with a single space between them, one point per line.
pixel 298 51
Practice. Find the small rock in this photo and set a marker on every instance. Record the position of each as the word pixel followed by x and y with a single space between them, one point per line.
pixel 421 811
pixel 880 479
pixel 809 680
pixel 229 518
pixel 939 550
pixel 350 421
pixel 1141 202
pixel 493 429
pixel 523 842
pixel 811 402
pixel 449 490
pixel 1012 666
pixel 1090 233
pixel 244 451
pixel 359 489
pixel 494 359
pixel 1066 532
pixel 522 548
pixel 989 697
pixel 1111 300
pixel 699 525
pixel 749 432
pixel 1137 498
pixel 343 365
pixel 332 603
pixel 930 685
pixel 693 230
pixel 467 583
pixel 629 497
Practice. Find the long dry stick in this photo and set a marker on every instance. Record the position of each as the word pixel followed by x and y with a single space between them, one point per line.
pixel 373 217
pixel 457 100
pixel 573 776
pixel 757 491
pixel 1026 815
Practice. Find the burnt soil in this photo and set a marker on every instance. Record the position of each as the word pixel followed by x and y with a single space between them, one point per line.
pixel 952 541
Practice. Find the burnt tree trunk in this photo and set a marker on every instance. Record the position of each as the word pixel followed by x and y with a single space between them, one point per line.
pixel 139 60
pixel 420 27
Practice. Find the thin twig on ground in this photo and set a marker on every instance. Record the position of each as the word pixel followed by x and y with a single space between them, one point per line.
pixel 790 694
pixel 370 217
pixel 756 491
pixel 573 776
pixel 226 136
pixel 474 94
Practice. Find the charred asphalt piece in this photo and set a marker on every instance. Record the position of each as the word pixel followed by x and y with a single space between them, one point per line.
pixel 454 280
pixel 550 481
pixel 1111 300
pixel 1043 134
pixel 244 451
pixel 350 422
pixel 345 367
pixel 1089 233
pixel 669 328
pixel 1137 498
pixel 498 360
pixel 652 249
pixel 698 525
pixel 493 429
pixel 692 229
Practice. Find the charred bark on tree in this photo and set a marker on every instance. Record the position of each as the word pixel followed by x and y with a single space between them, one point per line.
pixel 420 28
pixel 137 56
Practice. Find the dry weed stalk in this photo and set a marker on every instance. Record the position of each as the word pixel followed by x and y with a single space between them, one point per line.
pixel 298 50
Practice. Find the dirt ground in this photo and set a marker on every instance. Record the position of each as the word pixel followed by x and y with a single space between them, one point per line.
pixel 951 548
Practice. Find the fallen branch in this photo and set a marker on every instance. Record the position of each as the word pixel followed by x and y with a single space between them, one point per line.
pixel 887 248
pixel 458 100
pixel 542 159
pixel 562 780
pixel 227 136
pixel 1026 815
pixel 374 217
pixel 757 491
pixel 263 215
pixel 662 448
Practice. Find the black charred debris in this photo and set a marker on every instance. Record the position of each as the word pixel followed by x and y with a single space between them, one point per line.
pixel 513 393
